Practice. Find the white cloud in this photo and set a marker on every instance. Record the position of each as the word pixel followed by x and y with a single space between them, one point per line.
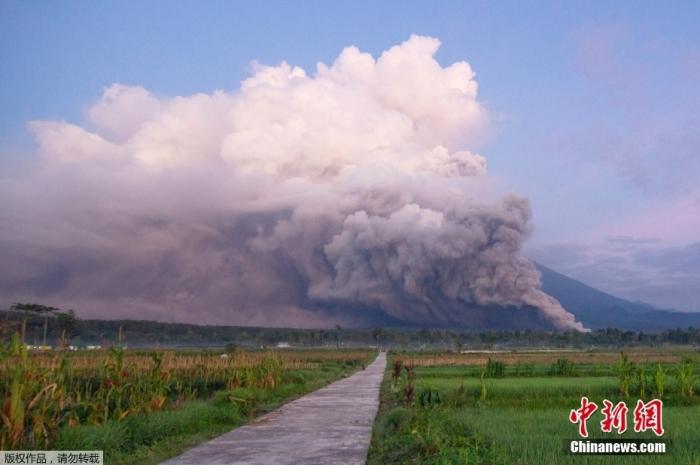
pixel 256 200
pixel 64 142
pixel 123 109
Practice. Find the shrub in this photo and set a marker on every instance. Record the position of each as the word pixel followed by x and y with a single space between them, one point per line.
pixel 686 379
pixel 429 397
pixel 624 369
pixel 495 369
pixel 642 382
pixel 408 389
pixel 396 370
pixel 562 367
pixel 483 391
pixel 659 381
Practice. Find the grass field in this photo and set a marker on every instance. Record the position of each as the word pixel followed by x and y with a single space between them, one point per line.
pixel 143 407
pixel 436 408
pixel 514 409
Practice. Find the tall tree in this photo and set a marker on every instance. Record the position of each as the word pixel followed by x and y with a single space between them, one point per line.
pixel 338 329
pixel 65 322
pixel 36 309
pixel 376 335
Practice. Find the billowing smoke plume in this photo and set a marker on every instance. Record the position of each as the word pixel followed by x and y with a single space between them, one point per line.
pixel 296 200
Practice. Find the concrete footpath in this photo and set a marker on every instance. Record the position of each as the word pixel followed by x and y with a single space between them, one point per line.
pixel 330 426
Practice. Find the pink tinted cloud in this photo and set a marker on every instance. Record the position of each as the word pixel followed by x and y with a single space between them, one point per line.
pixel 674 222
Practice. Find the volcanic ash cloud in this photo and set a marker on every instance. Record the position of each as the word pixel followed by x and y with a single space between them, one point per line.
pixel 357 187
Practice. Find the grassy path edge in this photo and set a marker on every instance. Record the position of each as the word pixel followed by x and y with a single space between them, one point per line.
pixel 152 438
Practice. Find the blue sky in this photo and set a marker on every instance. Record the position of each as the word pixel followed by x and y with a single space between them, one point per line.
pixel 595 104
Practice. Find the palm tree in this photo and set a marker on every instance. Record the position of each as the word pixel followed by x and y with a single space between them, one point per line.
pixel 338 329
pixel 376 335
pixel 36 309
pixel 66 323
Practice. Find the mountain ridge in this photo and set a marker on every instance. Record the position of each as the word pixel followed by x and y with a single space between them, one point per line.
pixel 598 309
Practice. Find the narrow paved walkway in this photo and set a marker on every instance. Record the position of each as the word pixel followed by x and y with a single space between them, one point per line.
pixel 330 426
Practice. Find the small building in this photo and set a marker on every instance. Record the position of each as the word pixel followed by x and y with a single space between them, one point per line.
pixel 39 348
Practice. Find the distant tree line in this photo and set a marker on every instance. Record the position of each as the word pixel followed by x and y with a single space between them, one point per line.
pixel 43 324
pixel 54 323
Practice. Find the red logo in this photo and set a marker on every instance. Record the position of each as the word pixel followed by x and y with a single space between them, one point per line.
pixel 582 415
pixel 647 416
pixel 615 417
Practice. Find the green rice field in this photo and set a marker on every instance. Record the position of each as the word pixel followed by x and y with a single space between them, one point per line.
pixel 499 413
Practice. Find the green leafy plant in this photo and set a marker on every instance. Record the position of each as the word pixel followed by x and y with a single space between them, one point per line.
pixel 659 381
pixel 483 390
pixel 686 379
pixel 495 369
pixel 562 367
pixel 429 397
pixel 624 369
